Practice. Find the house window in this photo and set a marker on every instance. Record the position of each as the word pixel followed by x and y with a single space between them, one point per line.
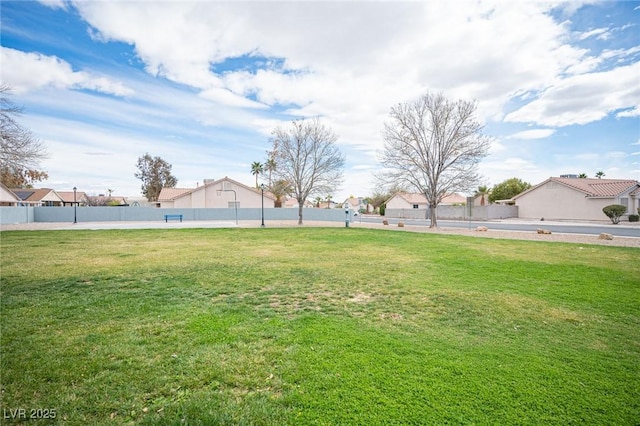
pixel 415 206
pixel 234 204
pixel 625 202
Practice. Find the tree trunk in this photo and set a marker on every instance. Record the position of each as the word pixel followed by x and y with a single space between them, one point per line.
pixel 300 207
pixel 433 216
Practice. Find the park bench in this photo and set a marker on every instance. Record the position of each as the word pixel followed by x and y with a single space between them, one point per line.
pixel 172 216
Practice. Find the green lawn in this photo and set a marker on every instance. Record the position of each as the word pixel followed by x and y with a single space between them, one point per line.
pixel 317 326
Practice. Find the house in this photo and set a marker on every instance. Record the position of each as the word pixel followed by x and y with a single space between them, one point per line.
pixel 407 200
pixel 70 198
pixel 8 197
pixel 415 206
pixel 573 198
pixel 292 203
pixel 221 193
pixel 44 197
pixel 357 204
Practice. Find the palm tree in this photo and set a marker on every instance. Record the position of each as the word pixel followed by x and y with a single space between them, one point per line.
pixel 582 176
pixel 256 170
pixel 482 191
pixel 329 201
pixel 367 203
pixel 270 166
pixel 318 200
pixel 600 174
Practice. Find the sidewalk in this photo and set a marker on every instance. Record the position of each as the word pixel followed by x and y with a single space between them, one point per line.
pixel 186 224
pixel 541 223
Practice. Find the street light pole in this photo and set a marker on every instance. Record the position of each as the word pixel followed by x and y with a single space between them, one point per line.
pixel 75 206
pixel 262 188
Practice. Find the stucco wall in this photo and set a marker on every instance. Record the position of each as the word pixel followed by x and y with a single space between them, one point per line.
pixel 488 212
pixel 213 197
pixel 19 214
pixel 9 215
pixel 400 203
pixel 556 201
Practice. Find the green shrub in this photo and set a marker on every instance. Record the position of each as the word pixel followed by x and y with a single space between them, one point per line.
pixel 614 211
pixel 383 208
pixel 634 218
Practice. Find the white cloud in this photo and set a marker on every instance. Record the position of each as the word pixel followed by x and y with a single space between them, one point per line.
pixel 28 71
pixel 600 33
pixel 583 98
pixel 607 56
pixel 345 56
pixel 496 146
pixel 632 112
pixel 533 134
pixel 499 170
pixel 615 155
pixel 54 4
pixel 587 156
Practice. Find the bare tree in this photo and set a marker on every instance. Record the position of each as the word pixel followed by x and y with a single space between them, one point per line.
pixel 155 174
pixel 434 145
pixel 20 151
pixel 307 158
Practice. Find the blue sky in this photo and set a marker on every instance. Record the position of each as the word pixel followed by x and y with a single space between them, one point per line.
pixel 202 83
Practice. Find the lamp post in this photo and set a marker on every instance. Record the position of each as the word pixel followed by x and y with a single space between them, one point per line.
pixel 235 200
pixel 262 189
pixel 75 206
pixel 346 215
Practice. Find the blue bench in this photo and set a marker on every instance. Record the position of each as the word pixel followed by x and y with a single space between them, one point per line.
pixel 172 216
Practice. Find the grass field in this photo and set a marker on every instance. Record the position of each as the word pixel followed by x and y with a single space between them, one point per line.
pixel 316 326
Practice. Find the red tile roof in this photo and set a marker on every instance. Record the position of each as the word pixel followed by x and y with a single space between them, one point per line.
pixel 168 194
pixel 598 187
pixel 67 196
pixel 32 194
pixel 605 188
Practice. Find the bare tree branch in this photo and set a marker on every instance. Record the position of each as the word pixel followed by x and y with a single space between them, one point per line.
pixel 433 145
pixel 20 151
pixel 308 159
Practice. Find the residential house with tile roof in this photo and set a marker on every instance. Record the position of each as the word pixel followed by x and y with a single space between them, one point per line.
pixel 43 197
pixel 415 206
pixel 572 198
pixel 221 193
pixel 411 200
pixel 69 198
pixel 292 203
pixel 7 197
pixel 357 204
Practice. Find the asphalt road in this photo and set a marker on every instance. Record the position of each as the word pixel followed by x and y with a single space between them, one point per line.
pixel 620 230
